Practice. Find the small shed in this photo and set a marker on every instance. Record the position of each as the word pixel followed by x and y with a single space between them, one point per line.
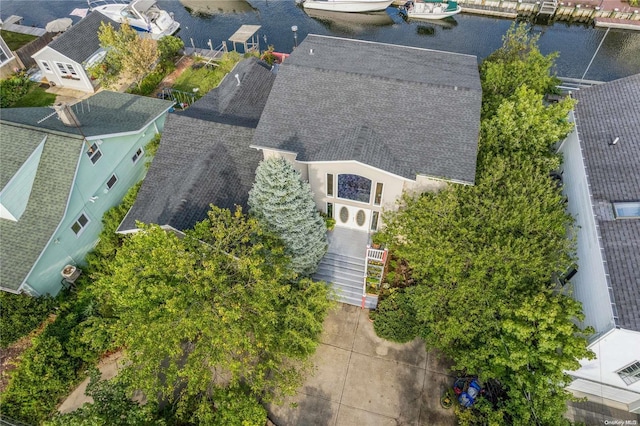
pixel 247 35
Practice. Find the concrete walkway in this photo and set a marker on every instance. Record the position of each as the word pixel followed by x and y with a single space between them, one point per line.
pixel 361 379
pixel 108 368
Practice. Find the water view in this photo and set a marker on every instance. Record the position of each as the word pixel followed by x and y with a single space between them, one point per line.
pixel 217 20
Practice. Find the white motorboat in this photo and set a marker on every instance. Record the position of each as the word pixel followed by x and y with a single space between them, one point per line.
pixel 142 15
pixel 434 9
pixel 347 5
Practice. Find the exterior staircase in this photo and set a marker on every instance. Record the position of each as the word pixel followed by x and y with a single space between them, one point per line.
pixel 346 275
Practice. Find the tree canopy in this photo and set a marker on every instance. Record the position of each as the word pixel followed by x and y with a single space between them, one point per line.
pixel 284 204
pixel 127 54
pixel 215 313
pixel 484 256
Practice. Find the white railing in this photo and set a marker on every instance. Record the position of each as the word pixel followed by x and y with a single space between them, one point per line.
pixel 374 264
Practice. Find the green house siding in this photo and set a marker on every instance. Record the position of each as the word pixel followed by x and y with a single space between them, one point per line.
pixel 91 197
pixel 21 242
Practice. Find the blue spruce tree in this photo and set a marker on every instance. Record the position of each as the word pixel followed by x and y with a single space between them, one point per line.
pixel 282 202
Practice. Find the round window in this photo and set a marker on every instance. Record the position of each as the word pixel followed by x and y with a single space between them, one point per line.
pixel 360 217
pixel 344 214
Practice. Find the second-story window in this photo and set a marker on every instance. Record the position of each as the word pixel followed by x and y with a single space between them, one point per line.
pixel 94 153
pixel 137 155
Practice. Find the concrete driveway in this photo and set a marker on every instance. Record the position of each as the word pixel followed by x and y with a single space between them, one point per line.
pixel 361 379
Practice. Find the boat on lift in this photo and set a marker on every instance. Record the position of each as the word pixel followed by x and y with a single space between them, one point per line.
pixel 430 9
pixel 142 15
pixel 347 5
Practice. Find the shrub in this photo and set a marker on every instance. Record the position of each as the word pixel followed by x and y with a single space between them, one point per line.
pixel 21 314
pixel 395 317
pixel 14 88
pixel 153 79
pixel 169 47
pixel 47 370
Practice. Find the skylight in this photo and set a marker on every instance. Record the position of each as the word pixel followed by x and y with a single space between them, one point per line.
pixel 626 210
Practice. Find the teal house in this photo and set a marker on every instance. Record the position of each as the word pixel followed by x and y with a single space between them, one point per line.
pixel 61 169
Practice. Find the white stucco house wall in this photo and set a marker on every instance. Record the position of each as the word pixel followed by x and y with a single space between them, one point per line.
pixel 601 177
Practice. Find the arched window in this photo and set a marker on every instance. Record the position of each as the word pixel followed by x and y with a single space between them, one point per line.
pixel 354 187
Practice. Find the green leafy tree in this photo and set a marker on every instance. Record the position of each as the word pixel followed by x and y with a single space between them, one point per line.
pixel 20 314
pixel 169 47
pixel 484 256
pixel 111 405
pixel 215 310
pixel 518 62
pixel 284 204
pixel 127 54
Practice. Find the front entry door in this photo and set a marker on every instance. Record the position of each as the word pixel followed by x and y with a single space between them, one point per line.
pixel 352 217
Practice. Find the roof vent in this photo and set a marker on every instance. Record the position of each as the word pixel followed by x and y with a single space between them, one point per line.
pixel 615 141
pixel 310 51
pixel 238 78
pixel 66 115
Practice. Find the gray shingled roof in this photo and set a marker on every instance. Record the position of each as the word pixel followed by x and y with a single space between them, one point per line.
pixel 80 41
pixel 233 104
pixel 103 113
pixel 22 242
pixel 204 155
pixel 603 113
pixel 422 106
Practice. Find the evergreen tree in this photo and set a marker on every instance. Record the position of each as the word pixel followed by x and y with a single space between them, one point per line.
pixel 283 203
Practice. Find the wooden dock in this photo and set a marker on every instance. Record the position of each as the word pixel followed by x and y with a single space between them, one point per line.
pixel 204 53
pixel 12 23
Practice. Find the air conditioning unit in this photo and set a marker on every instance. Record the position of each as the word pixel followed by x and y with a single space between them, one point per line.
pixel 70 273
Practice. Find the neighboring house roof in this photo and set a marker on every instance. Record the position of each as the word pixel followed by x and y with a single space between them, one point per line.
pixel 80 41
pixel 204 155
pixel 22 242
pixel 402 109
pixel 603 113
pixel 233 103
pixel 102 114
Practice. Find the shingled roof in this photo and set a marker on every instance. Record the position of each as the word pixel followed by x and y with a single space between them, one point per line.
pixel 401 109
pixel 22 242
pixel 603 113
pixel 204 155
pixel 103 113
pixel 80 41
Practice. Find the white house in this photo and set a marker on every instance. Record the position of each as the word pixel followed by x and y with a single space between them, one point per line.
pixel 365 122
pixel 65 60
pixel 601 176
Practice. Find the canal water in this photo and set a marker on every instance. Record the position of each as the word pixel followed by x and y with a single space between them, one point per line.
pixel 217 20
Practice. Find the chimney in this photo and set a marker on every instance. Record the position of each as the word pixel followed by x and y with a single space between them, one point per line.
pixel 66 115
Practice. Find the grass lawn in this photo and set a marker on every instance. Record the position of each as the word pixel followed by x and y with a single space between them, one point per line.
pixel 35 97
pixel 16 40
pixel 206 78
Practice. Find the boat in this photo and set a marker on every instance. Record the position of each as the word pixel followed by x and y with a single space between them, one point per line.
pixel 430 9
pixel 350 23
pixel 142 15
pixel 347 5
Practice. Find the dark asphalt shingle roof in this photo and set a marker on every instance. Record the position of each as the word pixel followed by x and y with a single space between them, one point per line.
pixel 103 113
pixel 233 104
pixel 204 155
pixel 81 40
pixel 603 113
pixel 419 108
pixel 22 242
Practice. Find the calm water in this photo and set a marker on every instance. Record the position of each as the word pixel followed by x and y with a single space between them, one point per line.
pixel 618 57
